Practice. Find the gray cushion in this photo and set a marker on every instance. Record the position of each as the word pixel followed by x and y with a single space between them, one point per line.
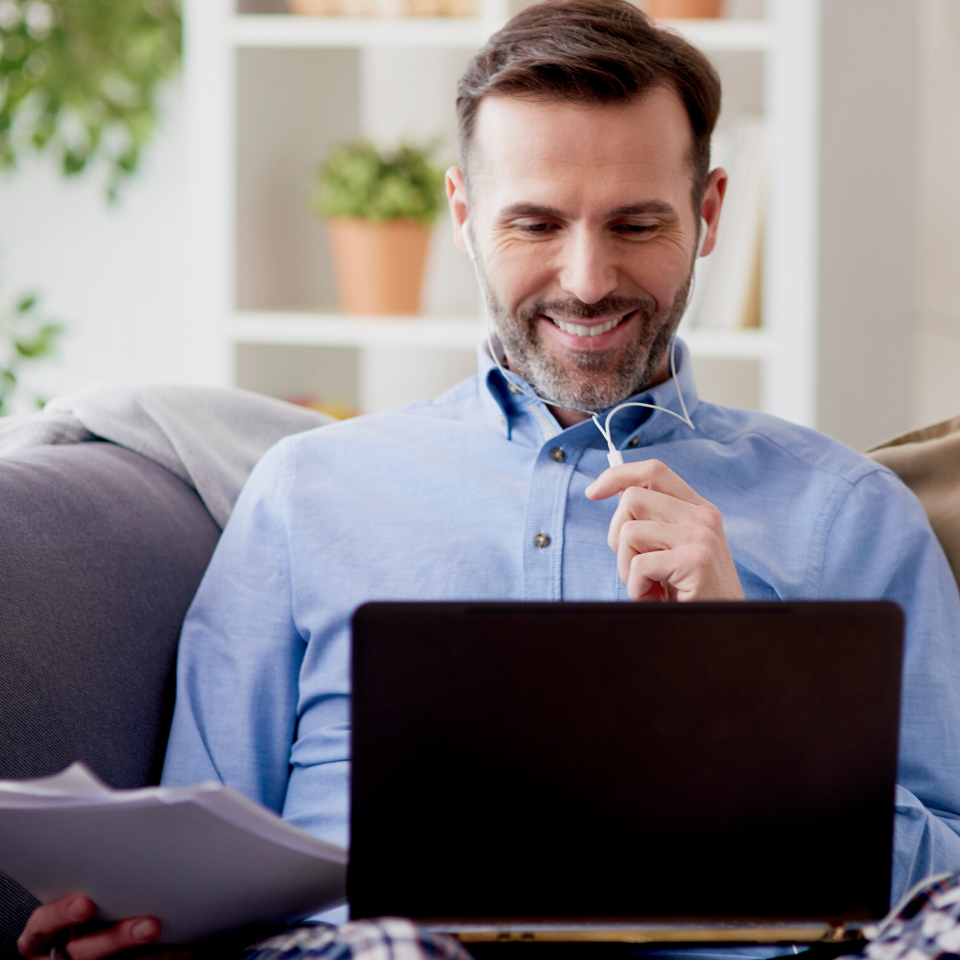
pixel 101 551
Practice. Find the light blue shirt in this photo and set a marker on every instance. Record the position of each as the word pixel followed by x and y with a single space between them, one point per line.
pixel 442 500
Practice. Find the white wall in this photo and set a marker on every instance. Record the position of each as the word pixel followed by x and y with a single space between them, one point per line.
pixel 869 229
pixel 113 275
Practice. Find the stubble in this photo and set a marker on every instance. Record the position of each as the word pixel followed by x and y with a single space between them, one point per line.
pixel 590 380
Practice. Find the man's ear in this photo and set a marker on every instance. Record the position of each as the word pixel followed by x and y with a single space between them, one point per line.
pixel 457 201
pixel 710 207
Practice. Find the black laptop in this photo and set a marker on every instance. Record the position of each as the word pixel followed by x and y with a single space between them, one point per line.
pixel 637 772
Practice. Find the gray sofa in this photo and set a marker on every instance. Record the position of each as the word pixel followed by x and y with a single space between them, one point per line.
pixel 111 503
pixel 101 551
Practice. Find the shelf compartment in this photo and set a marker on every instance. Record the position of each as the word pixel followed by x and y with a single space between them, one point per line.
pixel 254 30
pixel 732 34
pixel 337 330
pixel 742 344
pixel 285 30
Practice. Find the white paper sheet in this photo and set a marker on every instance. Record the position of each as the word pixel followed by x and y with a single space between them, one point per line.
pixel 202 859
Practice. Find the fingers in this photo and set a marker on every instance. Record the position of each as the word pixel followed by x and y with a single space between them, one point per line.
pixel 646 536
pixel 121 936
pixel 666 561
pixel 639 503
pixel 54 919
pixel 51 919
pixel 649 474
pixel 687 572
pixel 678 554
pixel 669 541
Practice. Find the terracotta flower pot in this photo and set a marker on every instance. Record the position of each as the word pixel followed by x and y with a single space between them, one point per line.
pixel 683 9
pixel 378 266
pixel 314 8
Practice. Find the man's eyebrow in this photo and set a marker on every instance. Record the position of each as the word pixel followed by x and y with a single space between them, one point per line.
pixel 630 210
pixel 530 210
pixel 648 206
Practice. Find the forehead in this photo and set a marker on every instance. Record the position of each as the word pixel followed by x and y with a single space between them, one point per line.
pixel 538 151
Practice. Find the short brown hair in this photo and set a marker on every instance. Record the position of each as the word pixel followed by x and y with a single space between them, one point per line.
pixel 591 51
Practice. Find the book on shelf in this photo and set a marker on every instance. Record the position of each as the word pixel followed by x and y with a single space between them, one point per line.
pixel 727 288
pixel 202 860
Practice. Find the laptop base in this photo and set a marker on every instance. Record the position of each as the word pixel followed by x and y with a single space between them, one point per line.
pixel 541 950
pixel 625 931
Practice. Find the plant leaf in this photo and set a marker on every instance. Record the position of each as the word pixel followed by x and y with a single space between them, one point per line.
pixel 26 304
pixel 358 181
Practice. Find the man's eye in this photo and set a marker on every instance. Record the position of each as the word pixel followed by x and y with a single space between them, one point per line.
pixel 535 227
pixel 634 229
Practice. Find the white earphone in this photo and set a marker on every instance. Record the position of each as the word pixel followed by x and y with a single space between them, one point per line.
pixel 704 230
pixel 467 242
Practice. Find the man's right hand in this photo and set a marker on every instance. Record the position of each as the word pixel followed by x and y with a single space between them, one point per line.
pixel 51 926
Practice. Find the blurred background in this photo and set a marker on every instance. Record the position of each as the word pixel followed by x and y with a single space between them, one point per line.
pixel 159 214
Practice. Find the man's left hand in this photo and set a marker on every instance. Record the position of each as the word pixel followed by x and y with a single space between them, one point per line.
pixel 669 541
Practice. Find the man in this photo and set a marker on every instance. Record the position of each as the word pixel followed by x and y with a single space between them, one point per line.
pixel 584 180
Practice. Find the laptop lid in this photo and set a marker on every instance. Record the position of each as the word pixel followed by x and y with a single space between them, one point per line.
pixel 614 766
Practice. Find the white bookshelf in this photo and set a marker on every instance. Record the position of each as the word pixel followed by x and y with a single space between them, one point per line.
pixel 740 35
pixel 281 30
pixel 266 31
pixel 260 278
pixel 334 330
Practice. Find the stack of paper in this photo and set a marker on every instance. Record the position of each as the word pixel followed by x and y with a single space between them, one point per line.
pixel 202 859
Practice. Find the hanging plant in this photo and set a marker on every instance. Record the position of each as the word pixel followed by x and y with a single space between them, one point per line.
pixel 80 78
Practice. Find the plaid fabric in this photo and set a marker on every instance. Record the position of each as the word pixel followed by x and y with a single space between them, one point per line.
pixel 388 938
pixel 925 925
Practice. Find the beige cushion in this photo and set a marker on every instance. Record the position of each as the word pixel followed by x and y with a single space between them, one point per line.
pixel 928 462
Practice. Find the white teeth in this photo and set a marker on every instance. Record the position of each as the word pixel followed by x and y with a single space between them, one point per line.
pixel 582 331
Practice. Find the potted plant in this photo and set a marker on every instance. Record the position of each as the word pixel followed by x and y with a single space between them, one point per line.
pixel 379 209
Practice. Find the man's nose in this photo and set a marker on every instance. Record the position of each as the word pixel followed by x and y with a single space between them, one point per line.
pixel 588 271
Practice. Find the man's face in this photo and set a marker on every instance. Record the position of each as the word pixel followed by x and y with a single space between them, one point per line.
pixel 582 220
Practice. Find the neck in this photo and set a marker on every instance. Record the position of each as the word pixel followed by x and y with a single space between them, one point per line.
pixel 568 418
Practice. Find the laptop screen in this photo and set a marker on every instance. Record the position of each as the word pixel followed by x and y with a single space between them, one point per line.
pixel 624 760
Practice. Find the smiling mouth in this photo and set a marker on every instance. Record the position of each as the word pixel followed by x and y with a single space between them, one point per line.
pixel 580 330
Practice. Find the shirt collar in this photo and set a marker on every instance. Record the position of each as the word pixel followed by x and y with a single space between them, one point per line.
pixel 504 405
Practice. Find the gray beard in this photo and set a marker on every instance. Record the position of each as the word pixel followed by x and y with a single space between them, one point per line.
pixel 586 384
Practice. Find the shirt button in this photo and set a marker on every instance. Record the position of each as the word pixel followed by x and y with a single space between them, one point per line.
pixel 501 421
pixel 541 540
pixel 634 441
pixel 556 455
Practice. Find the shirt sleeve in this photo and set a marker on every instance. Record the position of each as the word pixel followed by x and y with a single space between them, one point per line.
pixel 880 545
pixel 240 653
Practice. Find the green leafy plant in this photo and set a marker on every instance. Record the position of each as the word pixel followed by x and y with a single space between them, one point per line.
pixel 25 336
pixel 357 180
pixel 80 78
